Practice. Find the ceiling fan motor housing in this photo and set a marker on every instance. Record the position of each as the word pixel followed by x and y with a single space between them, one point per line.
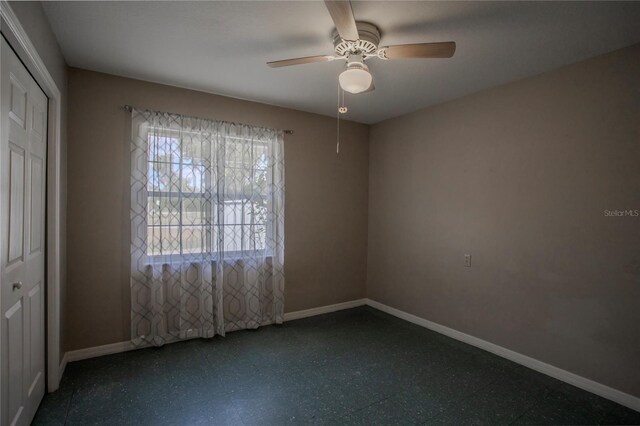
pixel 356 61
pixel 368 41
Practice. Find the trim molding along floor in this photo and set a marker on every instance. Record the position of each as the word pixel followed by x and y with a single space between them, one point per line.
pixel 114 348
pixel 604 391
pixel 599 389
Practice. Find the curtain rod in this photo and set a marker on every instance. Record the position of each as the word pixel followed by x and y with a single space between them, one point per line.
pixel 130 108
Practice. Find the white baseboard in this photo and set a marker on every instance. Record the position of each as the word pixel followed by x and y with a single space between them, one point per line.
pixel 118 347
pixel 544 368
pixel 63 365
pixel 112 348
pixel 289 316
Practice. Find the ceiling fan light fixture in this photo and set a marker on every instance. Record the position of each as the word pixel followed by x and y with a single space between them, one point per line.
pixel 356 78
pixel 357 41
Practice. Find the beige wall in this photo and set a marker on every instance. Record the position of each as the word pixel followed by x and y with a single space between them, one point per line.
pixel 325 212
pixel 35 23
pixel 519 177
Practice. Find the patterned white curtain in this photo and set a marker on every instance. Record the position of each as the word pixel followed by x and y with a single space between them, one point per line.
pixel 207 227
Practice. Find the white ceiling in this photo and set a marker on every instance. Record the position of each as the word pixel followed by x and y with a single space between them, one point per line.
pixel 222 47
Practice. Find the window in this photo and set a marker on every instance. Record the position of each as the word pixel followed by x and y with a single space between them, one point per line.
pixel 203 198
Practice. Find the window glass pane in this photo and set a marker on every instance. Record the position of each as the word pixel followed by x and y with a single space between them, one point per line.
pixel 163 210
pixel 247 213
pixel 254 185
pixel 163 177
pixel 259 183
pixel 193 178
pixel 254 237
pixel 232 212
pixel 233 155
pixel 153 241
pixel 193 210
pixel 256 212
pixel 163 148
pixel 163 240
pixel 194 149
pixel 260 155
pixel 232 237
pixel 194 239
pixel 233 183
pixel 246 154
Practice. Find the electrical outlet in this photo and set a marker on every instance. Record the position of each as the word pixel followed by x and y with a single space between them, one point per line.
pixel 467 260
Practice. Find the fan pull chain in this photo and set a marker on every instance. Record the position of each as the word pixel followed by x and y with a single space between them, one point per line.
pixel 338 126
pixel 342 109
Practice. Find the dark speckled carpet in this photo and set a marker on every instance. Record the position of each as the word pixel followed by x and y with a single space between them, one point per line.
pixel 358 366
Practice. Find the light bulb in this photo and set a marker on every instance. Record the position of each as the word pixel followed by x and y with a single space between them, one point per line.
pixel 355 79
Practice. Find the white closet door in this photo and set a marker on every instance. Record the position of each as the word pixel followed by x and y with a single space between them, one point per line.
pixel 22 258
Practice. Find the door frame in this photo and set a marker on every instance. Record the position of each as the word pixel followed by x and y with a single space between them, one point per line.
pixel 19 40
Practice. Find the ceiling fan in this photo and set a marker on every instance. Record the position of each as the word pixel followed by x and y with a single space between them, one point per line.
pixel 357 42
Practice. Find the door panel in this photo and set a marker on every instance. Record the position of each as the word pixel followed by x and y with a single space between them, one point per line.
pixel 22 226
pixel 18 103
pixel 15 356
pixel 36 335
pixel 16 203
pixel 37 204
pixel 39 123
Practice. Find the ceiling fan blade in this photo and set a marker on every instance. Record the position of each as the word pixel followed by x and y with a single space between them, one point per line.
pixel 299 61
pixel 420 50
pixel 342 15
